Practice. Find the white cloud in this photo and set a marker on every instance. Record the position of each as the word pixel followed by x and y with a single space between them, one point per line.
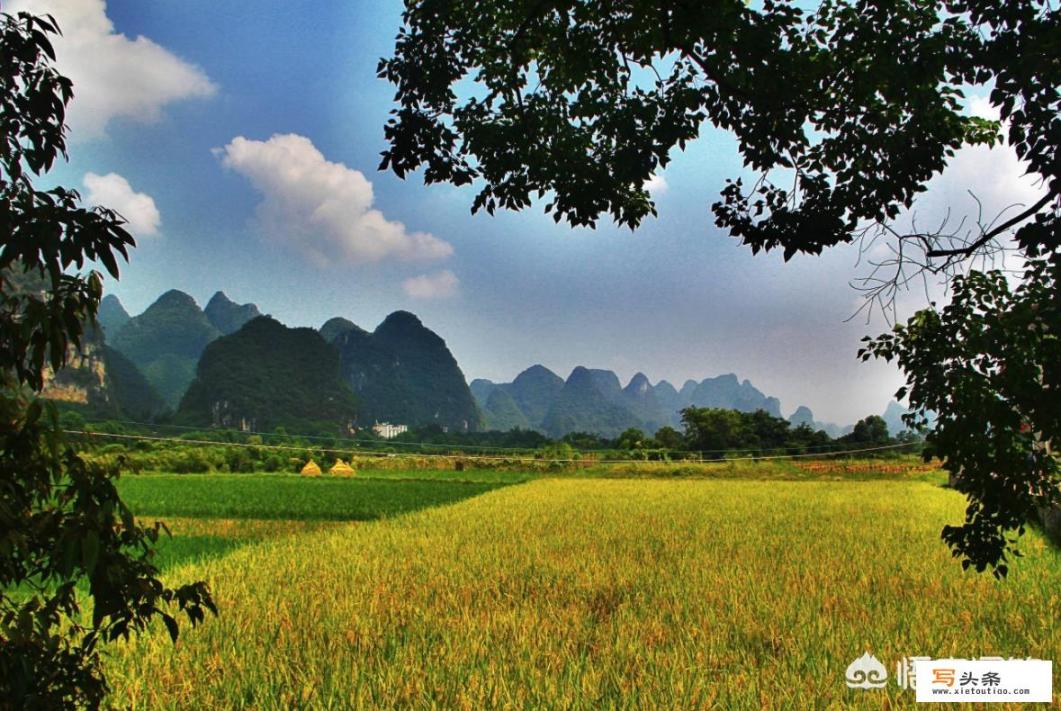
pixel 656 185
pixel 113 75
pixel 981 106
pixel 113 191
pixel 440 285
pixel 323 208
pixel 994 175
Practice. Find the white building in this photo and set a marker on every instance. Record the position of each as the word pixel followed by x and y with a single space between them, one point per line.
pixel 388 431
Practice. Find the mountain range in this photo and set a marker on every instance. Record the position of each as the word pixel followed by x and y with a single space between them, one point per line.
pixel 593 400
pixel 228 365
pixel 166 340
pixel 403 373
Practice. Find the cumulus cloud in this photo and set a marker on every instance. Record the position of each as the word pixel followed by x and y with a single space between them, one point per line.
pixel 323 208
pixel 113 75
pixel 656 185
pixel 113 191
pixel 440 285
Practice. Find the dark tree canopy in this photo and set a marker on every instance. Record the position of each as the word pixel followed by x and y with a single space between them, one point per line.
pixel 842 113
pixel 61 520
pixel 846 111
pixel 989 366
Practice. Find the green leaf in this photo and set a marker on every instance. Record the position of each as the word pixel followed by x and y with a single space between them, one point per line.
pixel 171 626
pixel 90 551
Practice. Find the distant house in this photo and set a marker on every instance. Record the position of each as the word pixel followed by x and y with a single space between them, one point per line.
pixel 388 431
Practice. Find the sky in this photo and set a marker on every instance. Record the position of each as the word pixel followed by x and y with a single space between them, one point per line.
pixel 241 142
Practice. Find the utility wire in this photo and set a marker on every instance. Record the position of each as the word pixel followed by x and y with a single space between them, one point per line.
pixel 479 457
pixel 823 448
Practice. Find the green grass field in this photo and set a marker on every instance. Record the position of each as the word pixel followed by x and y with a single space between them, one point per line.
pixel 569 592
pixel 210 515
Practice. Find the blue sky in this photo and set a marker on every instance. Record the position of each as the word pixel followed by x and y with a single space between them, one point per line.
pixel 211 126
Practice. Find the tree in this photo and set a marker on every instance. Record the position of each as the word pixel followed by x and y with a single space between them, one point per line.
pixel 62 522
pixel 869 430
pixel 989 365
pixel 630 438
pixel 713 430
pixel 670 438
pixel 805 438
pixel 843 114
pixel 766 431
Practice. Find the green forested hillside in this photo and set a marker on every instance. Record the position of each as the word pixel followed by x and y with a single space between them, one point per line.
pixel 165 343
pixel 502 413
pixel 335 327
pixel 111 315
pixel 135 396
pixel 267 375
pixel 403 373
pixel 582 407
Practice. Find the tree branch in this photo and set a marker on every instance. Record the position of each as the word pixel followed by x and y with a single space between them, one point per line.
pixel 988 236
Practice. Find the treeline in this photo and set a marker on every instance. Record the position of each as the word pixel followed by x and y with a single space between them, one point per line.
pixel 714 433
pixel 707 434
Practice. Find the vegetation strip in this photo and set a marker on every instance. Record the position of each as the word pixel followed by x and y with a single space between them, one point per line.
pixel 178 440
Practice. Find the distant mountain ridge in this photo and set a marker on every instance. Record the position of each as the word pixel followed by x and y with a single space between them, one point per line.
pixel 804 416
pixel 165 343
pixel 226 315
pixel 111 315
pixel 167 339
pixel 405 374
pixel 594 400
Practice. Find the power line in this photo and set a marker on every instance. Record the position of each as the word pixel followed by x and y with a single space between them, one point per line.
pixel 820 448
pixel 474 457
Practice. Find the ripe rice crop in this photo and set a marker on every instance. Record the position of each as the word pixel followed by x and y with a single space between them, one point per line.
pixel 600 593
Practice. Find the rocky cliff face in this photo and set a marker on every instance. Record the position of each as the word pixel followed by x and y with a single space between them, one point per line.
pixel 103 383
pixel 84 379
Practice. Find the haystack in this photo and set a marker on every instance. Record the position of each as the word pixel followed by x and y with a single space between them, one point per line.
pixel 341 468
pixel 311 469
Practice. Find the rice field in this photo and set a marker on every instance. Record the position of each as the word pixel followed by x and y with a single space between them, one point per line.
pixel 277 496
pixel 587 593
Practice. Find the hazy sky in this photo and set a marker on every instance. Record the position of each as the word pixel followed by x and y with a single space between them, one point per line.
pixel 240 139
